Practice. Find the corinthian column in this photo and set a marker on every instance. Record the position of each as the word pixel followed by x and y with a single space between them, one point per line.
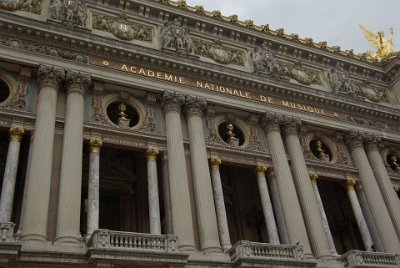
pixel 312 218
pixel 179 188
pixel 314 177
pixel 69 202
pixel 93 187
pixel 152 183
pixel 38 191
pixel 266 205
pixel 291 208
pixel 380 214
pixel 10 174
pixel 383 180
pixel 362 224
pixel 220 204
pixel 206 216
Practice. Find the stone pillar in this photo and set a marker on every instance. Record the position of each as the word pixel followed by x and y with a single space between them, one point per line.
pixel 314 177
pixel 10 174
pixel 308 201
pixel 267 205
pixel 167 195
pixel 290 205
pixel 152 184
pixel 276 202
pixel 361 223
pixel 203 193
pixel 93 187
pixel 379 212
pixel 69 202
pixel 220 204
pixel 39 180
pixel 368 218
pixel 382 177
pixel 179 188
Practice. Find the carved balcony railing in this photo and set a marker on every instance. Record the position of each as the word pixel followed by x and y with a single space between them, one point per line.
pixel 357 258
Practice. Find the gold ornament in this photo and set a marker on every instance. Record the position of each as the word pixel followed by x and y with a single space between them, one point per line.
pixel 152 153
pixel 95 145
pixel 16 133
pixel 385 47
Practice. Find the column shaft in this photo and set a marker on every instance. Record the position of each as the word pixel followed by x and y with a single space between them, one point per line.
pixel 38 191
pixel 222 219
pixel 167 196
pixel 206 216
pixel 152 183
pixel 10 174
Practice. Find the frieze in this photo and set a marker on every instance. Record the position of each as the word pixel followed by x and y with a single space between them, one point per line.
pixel 175 37
pixel 122 28
pixel 71 13
pixel 31 6
pixel 301 74
pixel 264 62
pixel 42 49
pixel 219 53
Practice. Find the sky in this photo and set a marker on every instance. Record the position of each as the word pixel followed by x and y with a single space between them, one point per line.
pixel 334 21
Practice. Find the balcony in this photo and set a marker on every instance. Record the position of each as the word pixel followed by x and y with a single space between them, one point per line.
pixel 245 253
pixel 106 245
pixel 357 258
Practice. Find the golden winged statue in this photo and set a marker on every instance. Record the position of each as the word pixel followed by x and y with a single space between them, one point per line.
pixel 385 46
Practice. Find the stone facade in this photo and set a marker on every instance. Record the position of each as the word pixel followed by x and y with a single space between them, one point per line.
pixel 156 134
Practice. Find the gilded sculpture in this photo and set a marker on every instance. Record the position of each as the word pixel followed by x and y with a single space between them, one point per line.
pixel 385 47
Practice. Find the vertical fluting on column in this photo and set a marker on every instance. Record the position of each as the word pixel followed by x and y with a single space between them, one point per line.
pixel 361 223
pixel 167 195
pixel 69 202
pixel 222 219
pixel 276 202
pixel 312 217
pixel 38 192
pixel 206 216
pixel 287 191
pixel 272 230
pixel 152 184
pixel 179 188
pixel 383 180
pixel 93 203
pixel 10 173
pixel 313 178
pixel 383 222
pixel 368 217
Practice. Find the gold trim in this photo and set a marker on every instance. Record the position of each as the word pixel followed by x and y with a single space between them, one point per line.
pixel 313 177
pixel 215 162
pixel 95 145
pixel 350 184
pixel 16 133
pixel 260 170
pixel 151 153
pixel 396 188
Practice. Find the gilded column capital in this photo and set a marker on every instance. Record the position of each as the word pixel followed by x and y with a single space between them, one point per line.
pixel 291 125
pixel 16 133
pixel 313 177
pixel 396 189
pixel 50 75
pixel 355 139
pixel 372 141
pixel 260 170
pixel 194 105
pixel 77 81
pixel 95 145
pixel 271 121
pixel 151 153
pixel 172 101
pixel 215 163
pixel 350 183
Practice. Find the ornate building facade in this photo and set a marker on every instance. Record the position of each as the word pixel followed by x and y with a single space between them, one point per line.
pixel 141 133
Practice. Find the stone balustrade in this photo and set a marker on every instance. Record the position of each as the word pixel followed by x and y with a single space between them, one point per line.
pixel 357 258
pixel 107 239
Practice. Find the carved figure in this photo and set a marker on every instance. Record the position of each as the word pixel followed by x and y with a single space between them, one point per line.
pixel 56 9
pixel 385 47
pixel 229 130
pixel 176 37
pixel 122 110
pixel 264 61
pixel 73 12
pixel 321 152
pixel 340 81
pixel 394 163
pixel 32 6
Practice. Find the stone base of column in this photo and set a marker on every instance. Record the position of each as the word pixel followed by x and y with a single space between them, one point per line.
pixel 34 238
pixel 68 241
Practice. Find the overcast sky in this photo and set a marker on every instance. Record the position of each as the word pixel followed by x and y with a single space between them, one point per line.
pixel 334 21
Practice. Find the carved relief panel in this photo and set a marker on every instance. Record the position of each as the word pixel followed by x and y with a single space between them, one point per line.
pixel 32 6
pixel 218 52
pixel 71 13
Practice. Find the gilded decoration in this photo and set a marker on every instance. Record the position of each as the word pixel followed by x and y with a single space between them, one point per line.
pixel 260 170
pixel 71 12
pixel 215 163
pixel 151 153
pixel 31 6
pixel 313 177
pixel 16 133
pixel 264 62
pixel 219 53
pixel 122 28
pixel 95 145
pixel 175 37
pixel 385 47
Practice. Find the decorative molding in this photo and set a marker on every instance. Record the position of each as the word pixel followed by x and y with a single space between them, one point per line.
pixel 31 6
pixel 77 81
pixel 172 101
pixel 301 74
pixel 98 115
pixel 195 105
pixel 219 53
pixel 150 121
pixel 50 75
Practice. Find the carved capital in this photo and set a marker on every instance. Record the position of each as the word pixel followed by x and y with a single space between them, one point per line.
pixel 195 105
pixel 313 177
pixel 95 145
pixel 271 121
pixel 372 141
pixel 260 170
pixel 215 163
pixel 77 81
pixel 172 101
pixel 396 189
pixel 49 75
pixel 350 183
pixel 151 154
pixel 16 133
pixel 355 139
pixel 291 125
